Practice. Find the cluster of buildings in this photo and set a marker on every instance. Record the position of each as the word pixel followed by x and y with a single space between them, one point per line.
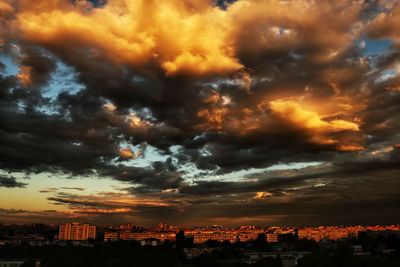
pixel 281 238
pixel 232 236
pixel 241 234
pixel 128 232
pixel 76 232
pixel 339 232
pixel 319 233
pixel 199 235
pixel 127 235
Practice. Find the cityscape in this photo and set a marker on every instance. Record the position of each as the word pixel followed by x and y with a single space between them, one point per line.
pixel 241 246
pixel 199 133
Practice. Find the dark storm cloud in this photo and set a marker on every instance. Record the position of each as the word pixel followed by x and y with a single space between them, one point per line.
pixel 31 216
pixel 10 182
pixel 35 68
pixel 140 210
pixel 11 211
pixel 260 150
pixel 340 203
pixel 77 203
pixel 342 167
pixel 79 140
pixel 155 178
pixel 317 195
pixel 343 193
pixel 345 201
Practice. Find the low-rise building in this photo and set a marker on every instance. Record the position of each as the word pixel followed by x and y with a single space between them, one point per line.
pixel 111 236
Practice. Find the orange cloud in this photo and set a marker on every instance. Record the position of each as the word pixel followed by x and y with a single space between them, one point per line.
pixel 324 130
pixel 137 122
pixel 393 88
pixel 112 211
pixel 262 195
pixel 109 107
pixel 5 8
pixel 386 25
pixel 350 148
pixel 214 117
pixel 312 124
pixel 293 113
pixel 25 75
pixel 127 153
pixel 5 14
pixel 215 114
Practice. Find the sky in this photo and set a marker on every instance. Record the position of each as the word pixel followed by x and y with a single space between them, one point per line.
pixel 263 112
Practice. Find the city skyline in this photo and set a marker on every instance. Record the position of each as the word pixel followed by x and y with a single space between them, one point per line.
pixel 75 231
pixel 247 112
pixel 73 244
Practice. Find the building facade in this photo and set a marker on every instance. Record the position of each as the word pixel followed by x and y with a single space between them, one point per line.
pixel 77 231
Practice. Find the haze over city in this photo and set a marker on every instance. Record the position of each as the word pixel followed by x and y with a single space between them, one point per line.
pixel 247 112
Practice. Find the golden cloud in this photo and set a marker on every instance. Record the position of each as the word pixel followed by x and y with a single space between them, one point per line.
pixel 262 195
pixel 320 129
pixel 184 37
pixel 173 34
pixel 292 112
pixel 311 123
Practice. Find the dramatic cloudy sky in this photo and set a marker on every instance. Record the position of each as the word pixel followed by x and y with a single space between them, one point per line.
pixel 273 112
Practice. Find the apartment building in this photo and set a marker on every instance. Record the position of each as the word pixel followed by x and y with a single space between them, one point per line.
pixel 77 231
